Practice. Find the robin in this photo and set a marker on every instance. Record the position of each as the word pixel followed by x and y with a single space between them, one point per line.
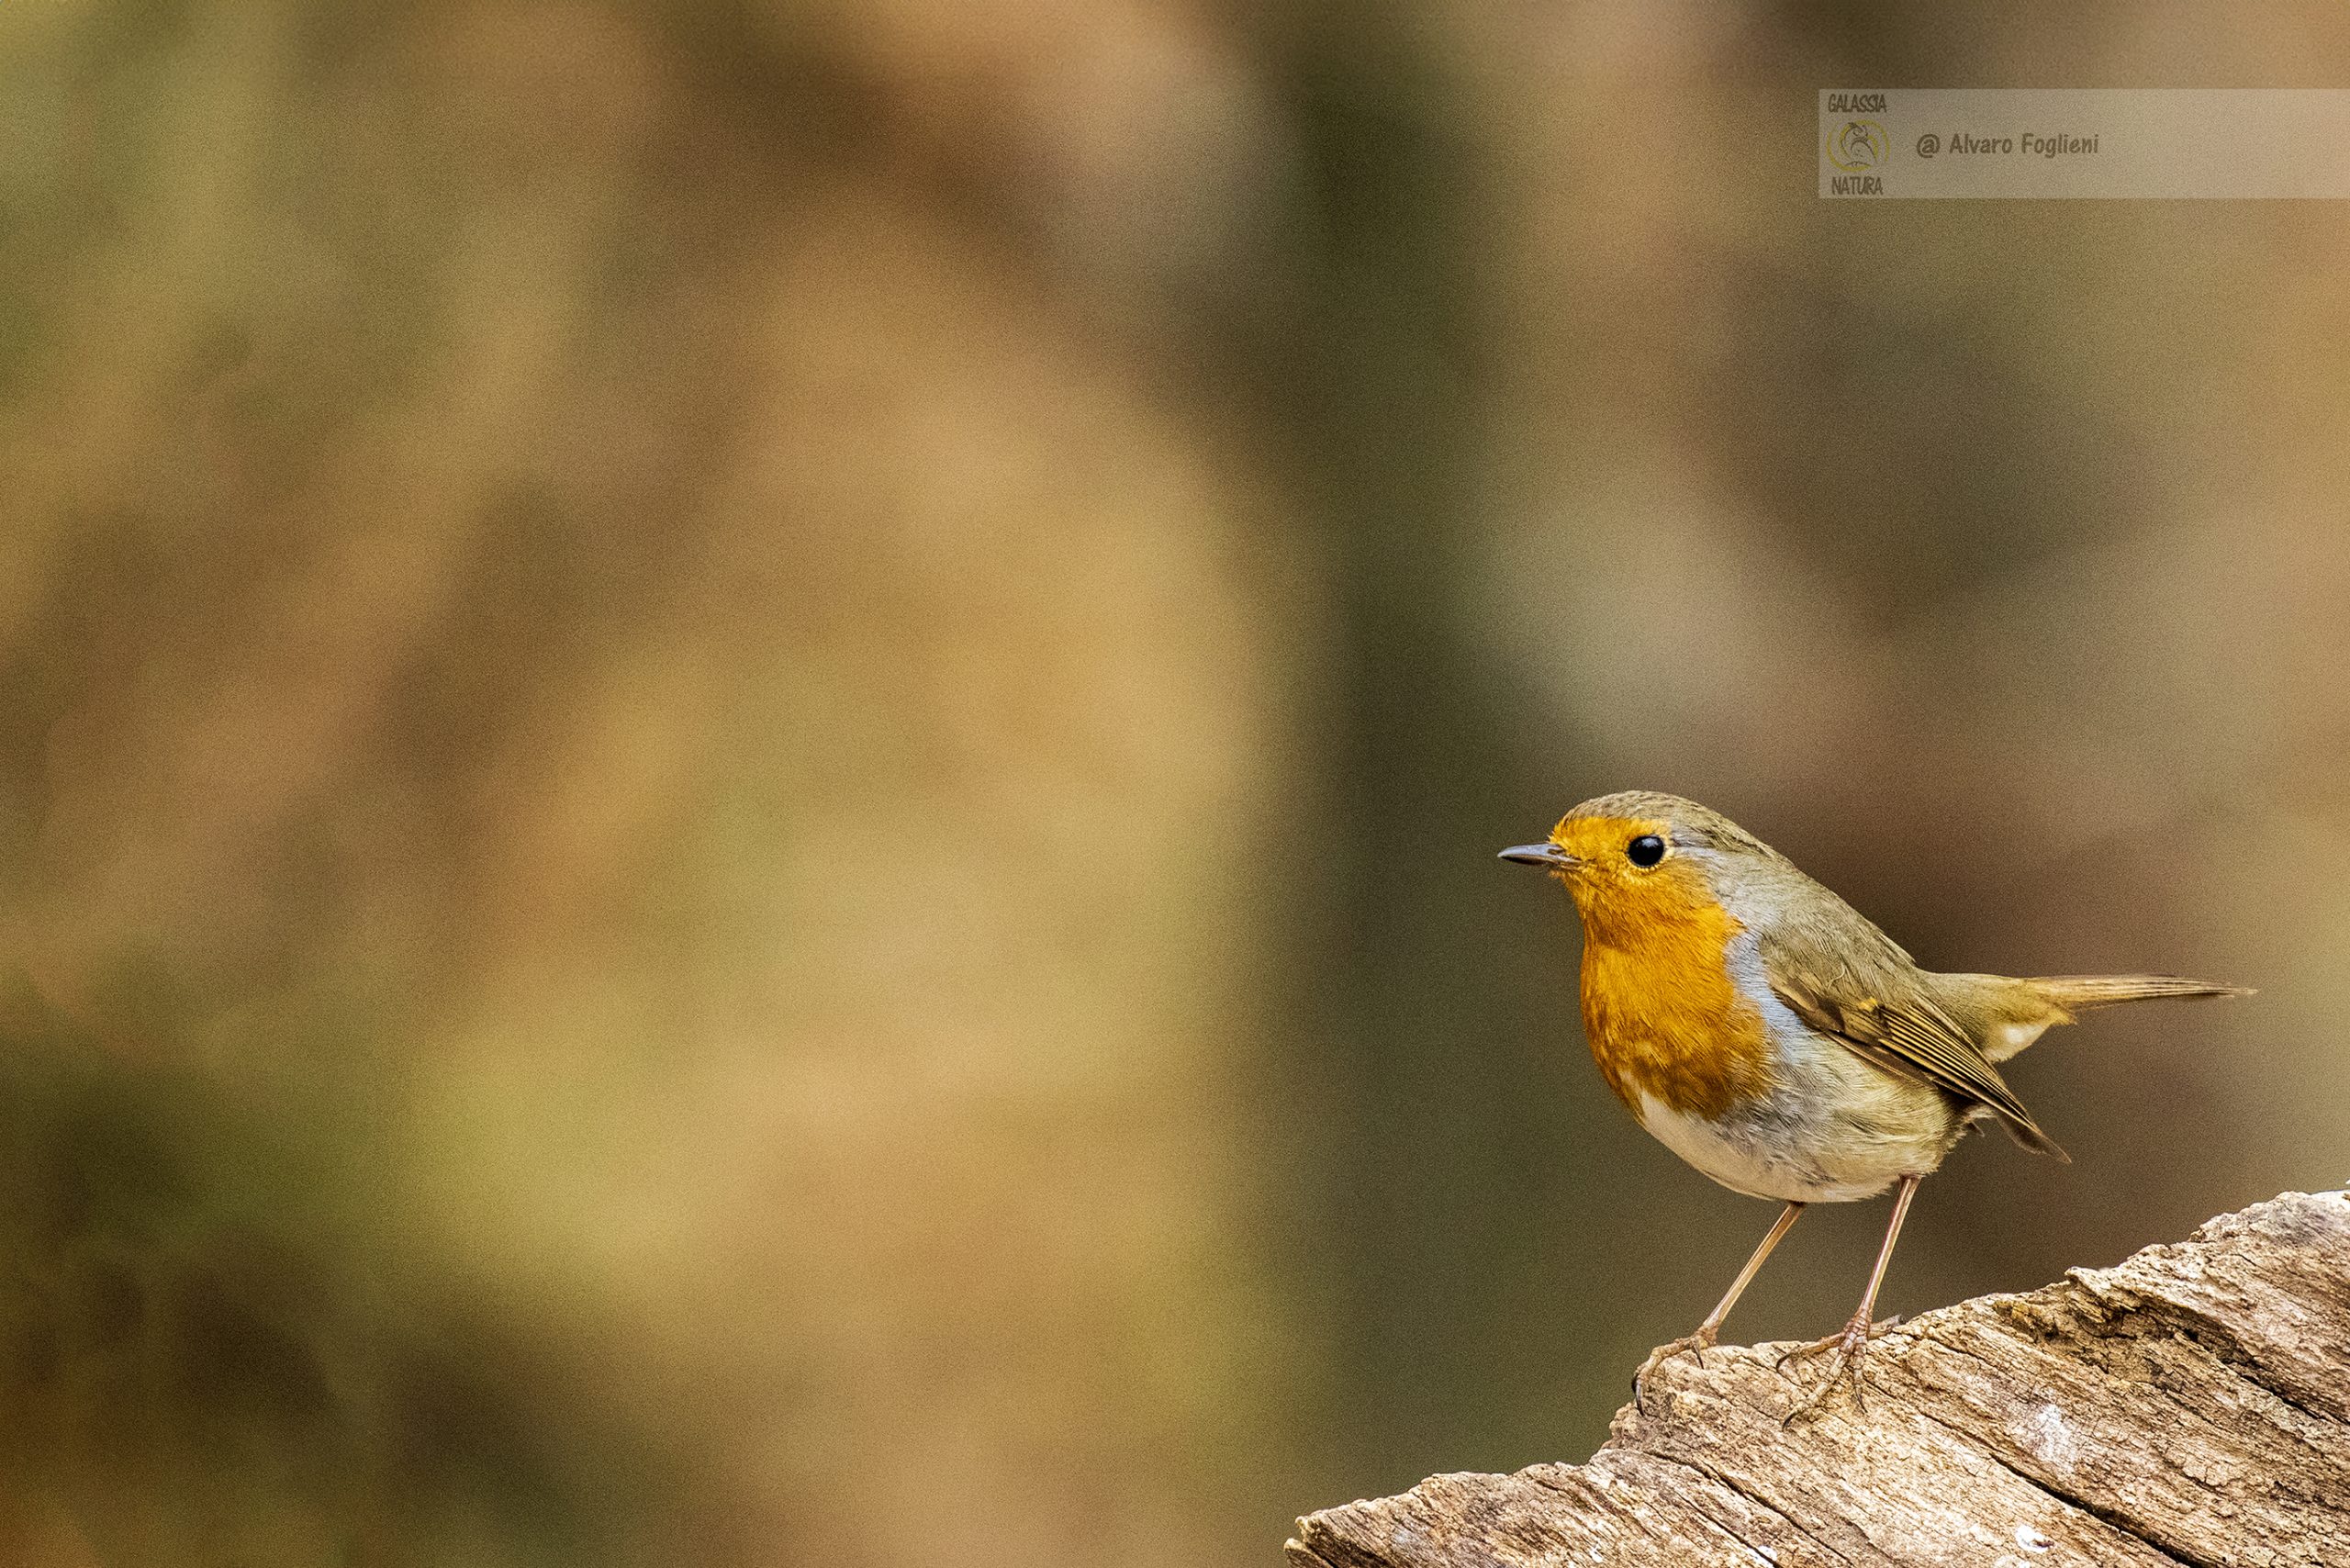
pixel 1766 1032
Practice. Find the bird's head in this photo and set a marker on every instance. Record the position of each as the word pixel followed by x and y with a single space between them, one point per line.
pixel 1636 857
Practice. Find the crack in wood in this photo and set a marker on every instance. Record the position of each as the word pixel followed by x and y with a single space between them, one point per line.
pixel 2059 1495
pixel 1730 1484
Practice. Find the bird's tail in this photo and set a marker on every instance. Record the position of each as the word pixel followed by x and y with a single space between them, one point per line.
pixel 2078 994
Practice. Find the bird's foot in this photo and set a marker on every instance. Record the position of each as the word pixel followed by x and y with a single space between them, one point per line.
pixel 1696 1344
pixel 1850 1346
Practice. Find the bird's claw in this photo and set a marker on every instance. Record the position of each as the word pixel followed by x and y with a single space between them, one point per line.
pixel 1835 1341
pixel 1850 1346
pixel 1696 1344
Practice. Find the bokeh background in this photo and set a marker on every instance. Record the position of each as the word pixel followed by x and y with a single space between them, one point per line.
pixel 750 752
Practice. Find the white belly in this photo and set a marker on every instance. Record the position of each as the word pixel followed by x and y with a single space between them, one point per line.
pixel 1771 1158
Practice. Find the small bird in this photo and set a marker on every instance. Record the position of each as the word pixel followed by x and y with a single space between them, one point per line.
pixel 1766 1032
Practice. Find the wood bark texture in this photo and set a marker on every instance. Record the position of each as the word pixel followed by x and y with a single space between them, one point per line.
pixel 2189 1407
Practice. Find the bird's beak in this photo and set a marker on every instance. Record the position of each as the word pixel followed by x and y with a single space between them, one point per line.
pixel 1548 855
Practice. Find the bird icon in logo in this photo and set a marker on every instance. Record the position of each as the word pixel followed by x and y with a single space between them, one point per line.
pixel 1857 144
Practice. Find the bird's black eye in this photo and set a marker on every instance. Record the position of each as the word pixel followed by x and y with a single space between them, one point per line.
pixel 1645 850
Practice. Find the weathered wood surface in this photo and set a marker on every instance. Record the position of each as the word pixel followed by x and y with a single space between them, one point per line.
pixel 2191 1405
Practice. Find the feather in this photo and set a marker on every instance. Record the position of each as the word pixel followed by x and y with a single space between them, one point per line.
pixel 1911 1034
pixel 2081 992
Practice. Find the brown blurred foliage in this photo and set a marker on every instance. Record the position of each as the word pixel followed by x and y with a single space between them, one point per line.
pixel 749 753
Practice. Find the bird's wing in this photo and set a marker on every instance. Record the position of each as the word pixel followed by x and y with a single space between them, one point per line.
pixel 1890 1020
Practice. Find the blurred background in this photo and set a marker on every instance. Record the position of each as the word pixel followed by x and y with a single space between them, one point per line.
pixel 750 753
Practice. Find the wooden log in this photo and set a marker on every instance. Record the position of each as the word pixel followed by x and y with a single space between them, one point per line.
pixel 2189 1407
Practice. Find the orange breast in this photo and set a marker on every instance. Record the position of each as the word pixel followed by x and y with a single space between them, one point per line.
pixel 1663 1018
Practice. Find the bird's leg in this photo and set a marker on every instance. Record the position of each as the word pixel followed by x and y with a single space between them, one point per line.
pixel 1852 1343
pixel 1710 1330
